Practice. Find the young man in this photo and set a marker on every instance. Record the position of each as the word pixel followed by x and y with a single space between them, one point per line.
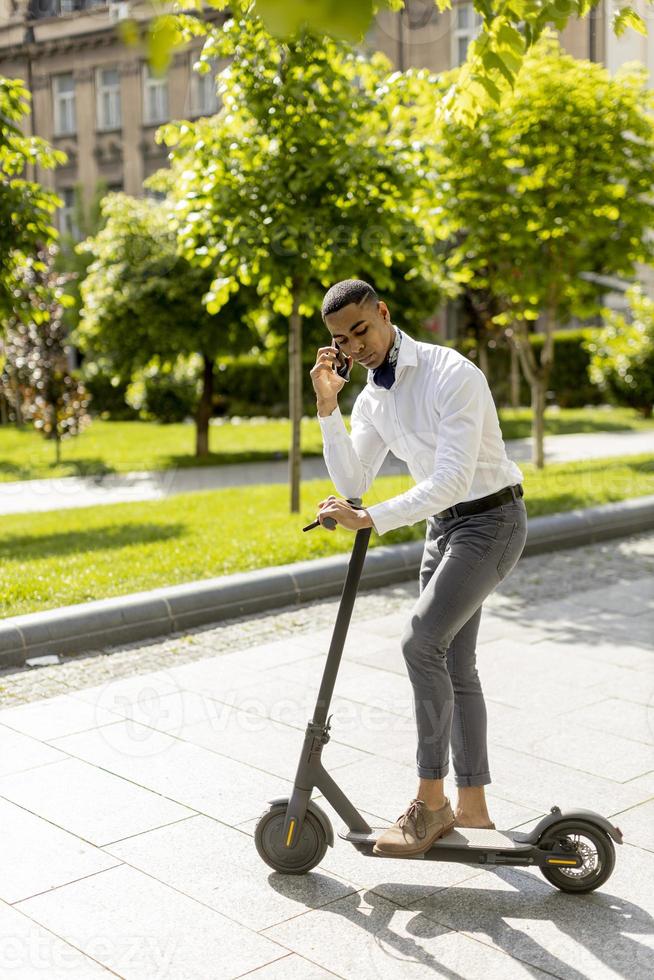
pixel 433 408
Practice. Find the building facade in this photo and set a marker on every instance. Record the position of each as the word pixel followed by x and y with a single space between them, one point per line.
pixel 95 97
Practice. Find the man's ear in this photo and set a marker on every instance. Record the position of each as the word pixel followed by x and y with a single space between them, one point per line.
pixel 383 309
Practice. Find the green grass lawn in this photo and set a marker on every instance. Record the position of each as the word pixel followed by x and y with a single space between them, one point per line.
pixel 118 447
pixel 70 556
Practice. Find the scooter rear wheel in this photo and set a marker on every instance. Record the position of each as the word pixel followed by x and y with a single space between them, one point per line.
pixel 595 847
pixel 308 851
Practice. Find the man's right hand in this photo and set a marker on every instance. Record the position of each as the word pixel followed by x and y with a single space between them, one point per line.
pixel 325 380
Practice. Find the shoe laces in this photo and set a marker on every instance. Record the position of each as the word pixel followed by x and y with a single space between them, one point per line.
pixel 413 814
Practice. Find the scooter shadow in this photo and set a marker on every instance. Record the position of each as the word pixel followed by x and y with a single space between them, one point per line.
pixel 590 928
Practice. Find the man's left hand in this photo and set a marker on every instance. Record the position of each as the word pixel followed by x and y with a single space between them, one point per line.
pixel 344 514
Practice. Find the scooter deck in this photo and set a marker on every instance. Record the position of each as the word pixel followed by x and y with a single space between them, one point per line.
pixel 474 838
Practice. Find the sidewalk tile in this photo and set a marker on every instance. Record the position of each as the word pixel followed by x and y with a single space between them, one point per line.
pixel 143 930
pixel 636 630
pixel 220 867
pixel 192 776
pixel 355 682
pixel 53 717
pixel 30 951
pixel 19 752
pixel 628 685
pixel 539 677
pixel 291 967
pixel 365 935
pixel 124 695
pixel 636 595
pixel 36 856
pixel 637 825
pixel 260 657
pixel 95 805
pixel 260 742
pixel 524 916
pixel 617 717
pixel 541 784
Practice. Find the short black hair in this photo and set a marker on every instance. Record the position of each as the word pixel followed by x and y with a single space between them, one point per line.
pixel 345 292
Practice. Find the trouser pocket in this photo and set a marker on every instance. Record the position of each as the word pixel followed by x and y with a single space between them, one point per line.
pixel 513 548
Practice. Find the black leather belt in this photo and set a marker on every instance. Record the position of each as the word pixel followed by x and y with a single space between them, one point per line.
pixel 483 503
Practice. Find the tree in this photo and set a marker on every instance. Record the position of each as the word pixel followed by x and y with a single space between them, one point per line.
pixel 141 299
pixel 545 193
pixel 35 345
pixel 87 221
pixel 309 174
pixel 494 58
pixel 26 208
pixel 622 354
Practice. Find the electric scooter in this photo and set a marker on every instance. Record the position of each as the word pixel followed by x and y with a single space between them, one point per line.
pixel 573 849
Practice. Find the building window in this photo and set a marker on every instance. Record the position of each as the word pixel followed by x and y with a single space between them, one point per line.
pixel 67 224
pixel 107 86
pixel 467 22
pixel 64 103
pixel 155 97
pixel 204 100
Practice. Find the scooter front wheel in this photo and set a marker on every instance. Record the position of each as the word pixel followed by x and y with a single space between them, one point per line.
pixel 594 846
pixel 308 851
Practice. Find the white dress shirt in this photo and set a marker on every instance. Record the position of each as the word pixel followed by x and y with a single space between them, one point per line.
pixel 439 416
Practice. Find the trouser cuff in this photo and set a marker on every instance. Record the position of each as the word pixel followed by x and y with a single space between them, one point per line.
pixel 425 773
pixel 481 779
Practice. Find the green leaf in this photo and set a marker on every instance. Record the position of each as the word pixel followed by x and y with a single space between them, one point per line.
pixel 491 61
pixel 490 87
pixel 163 38
pixel 511 37
pixel 627 17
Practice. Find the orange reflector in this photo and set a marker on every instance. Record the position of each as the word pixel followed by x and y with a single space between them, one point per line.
pixel 290 832
pixel 560 861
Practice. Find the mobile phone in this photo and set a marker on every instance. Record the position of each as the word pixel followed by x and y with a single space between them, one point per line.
pixel 341 364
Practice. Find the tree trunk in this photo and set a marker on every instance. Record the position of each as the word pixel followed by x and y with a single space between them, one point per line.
pixel 295 399
pixel 515 378
pixel 538 376
pixel 538 423
pixel 17 403
pixel 205 408
pixel 483 354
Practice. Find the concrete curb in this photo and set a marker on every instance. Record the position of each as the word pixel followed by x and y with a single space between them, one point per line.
pixel 156 613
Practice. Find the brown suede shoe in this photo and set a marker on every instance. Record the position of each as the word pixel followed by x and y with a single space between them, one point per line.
pixel 415 830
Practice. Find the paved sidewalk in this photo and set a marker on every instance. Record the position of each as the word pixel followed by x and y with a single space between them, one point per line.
pixel 40 495
pixel 128 803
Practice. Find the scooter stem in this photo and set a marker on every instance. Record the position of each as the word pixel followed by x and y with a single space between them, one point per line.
pixel 342 623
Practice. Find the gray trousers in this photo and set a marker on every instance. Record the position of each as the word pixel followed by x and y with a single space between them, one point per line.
pixel 464 559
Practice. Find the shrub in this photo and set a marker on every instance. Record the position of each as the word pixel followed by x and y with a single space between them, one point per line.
pixel 167 393
pixel 622 354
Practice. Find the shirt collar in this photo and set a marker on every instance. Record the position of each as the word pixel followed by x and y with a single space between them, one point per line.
pixel 407 355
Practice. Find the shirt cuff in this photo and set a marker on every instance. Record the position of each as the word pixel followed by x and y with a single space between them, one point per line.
pixel 384 517
pixel 332 425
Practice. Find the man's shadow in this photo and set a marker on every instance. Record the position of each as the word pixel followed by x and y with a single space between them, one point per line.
pixel 605 924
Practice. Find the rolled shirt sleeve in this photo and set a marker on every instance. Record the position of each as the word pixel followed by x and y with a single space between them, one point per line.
pixel 460 409
pixel 353 460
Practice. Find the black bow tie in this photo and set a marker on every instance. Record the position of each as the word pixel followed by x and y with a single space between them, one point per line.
pixel 384 375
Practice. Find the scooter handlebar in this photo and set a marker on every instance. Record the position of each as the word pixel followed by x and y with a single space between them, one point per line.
pixel 329 522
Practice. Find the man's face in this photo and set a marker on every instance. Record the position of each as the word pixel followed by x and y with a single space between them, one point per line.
pixel 363 331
